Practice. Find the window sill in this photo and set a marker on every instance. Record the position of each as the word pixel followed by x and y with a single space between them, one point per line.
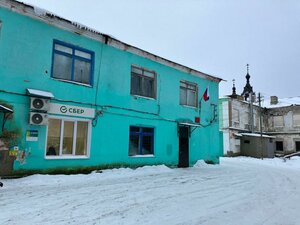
pixel 189 107
pixel 72 82
pixel 66 157
pixel 142 156
pixel 142 97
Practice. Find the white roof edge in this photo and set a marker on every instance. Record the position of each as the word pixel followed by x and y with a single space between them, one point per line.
pixel 190 124
pixel 6 108
pixel 40 93
pixel 60 22
pixel 256 135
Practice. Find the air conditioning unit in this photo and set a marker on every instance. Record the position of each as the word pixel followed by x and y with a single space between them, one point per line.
pixel 39 104
pixel 36 118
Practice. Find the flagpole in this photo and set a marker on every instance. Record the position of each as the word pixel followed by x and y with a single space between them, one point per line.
pixel 200 106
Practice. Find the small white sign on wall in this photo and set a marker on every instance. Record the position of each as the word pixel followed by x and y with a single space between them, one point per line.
pixel 71 110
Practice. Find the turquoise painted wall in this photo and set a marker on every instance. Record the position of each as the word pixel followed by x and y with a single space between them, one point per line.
pixel 26 63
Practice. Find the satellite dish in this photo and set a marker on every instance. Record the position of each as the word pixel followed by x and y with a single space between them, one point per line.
pixel 37 118
pixel 38 103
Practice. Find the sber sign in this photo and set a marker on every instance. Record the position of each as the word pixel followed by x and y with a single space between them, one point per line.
pixel 71 110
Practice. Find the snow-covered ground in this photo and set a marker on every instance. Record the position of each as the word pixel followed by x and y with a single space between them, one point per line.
pixel 239 191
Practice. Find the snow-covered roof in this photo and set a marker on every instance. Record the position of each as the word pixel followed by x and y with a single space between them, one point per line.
pixel 40 93
pixel 5 109
pixel 254 135
pixel 282 102
pixel 76 27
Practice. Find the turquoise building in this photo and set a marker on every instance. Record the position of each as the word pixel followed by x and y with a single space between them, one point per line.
pixel 71 97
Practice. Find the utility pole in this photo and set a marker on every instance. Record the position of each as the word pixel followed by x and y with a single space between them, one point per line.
pixel 260 127
pixel 251 113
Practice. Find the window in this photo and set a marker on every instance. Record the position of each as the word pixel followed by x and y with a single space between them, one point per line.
pixel 141 141
pixel 143 82
pixel 296 119
pixel 278 121
pixel 67 137
pixel 236 116
pixel 188 94
pixel 72 63
pixel 279 145
pixel 297 144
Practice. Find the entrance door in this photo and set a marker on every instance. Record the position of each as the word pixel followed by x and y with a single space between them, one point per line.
pixel 297 146
pixel 184 133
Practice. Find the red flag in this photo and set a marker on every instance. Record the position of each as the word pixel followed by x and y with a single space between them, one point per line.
pixel 206 94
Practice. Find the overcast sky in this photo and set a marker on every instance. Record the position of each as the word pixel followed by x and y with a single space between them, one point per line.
pixel 214 36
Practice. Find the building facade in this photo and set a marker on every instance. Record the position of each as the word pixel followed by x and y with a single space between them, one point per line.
pixel 237 116
pixel 240 124
pixel 282 118
pixel 72 97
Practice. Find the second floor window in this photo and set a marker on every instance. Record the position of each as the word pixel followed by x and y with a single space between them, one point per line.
pixel 143 82
pixel 278 121
pixel 72 63
pixel 188 94
pixel 235 116
pixel 296 119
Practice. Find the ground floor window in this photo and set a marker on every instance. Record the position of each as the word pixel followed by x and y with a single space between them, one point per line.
pixel 279 145
pixel 141 141
pixel 67 137
pixel 297 143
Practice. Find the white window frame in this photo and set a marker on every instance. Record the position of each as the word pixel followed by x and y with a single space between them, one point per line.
pixel 73 156
pixel 143 76
pixel 188 83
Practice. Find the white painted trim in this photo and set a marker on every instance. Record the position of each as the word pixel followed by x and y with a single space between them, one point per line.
pixel 189 107
pixel 143 97
pixel 143 156
pixel 66 157
pixel 62 127
pixel 74 138
pixel 72 82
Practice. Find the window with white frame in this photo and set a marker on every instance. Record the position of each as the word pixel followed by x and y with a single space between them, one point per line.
pixel 278 121
pixel 188 94
pixel 143 82
pixel 68 137
pixel 296 119
pixel 72 63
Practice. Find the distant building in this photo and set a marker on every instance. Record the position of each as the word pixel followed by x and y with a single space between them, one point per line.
pixel 282 118
pixel 238 115
pixel 240 124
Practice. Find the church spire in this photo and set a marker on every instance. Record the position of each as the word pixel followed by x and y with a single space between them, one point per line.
pixel 233 95
pixel 248 88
